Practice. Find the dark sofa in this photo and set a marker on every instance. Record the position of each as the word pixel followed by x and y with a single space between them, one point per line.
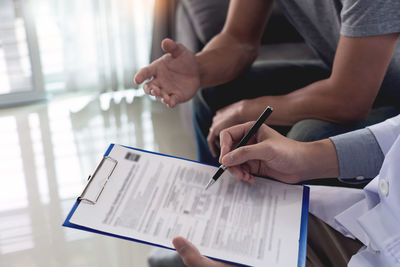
pixel 197 21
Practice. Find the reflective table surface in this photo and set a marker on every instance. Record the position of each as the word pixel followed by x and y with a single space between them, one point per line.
pixel 47 151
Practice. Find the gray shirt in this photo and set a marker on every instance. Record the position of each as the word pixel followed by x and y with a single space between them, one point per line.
pixel 321 22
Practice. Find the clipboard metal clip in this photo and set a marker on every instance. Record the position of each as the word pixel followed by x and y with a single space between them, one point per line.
pixel 98 180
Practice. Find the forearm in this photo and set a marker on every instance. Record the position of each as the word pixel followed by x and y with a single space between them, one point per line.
pixel 348 94
pixel 233 50
pixel 319 160
pixel 224 58
pixel 328 101
pixel 321 100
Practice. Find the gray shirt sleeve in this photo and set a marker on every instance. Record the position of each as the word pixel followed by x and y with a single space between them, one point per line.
pixel 359 155
pixel 369 17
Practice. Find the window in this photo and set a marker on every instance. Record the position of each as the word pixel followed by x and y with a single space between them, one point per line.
pixel 20 79
pixel 58 46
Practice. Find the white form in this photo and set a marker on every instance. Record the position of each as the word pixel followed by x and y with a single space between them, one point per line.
pixel 154 198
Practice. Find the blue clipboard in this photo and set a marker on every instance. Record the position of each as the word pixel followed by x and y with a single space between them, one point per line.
pixel 303 224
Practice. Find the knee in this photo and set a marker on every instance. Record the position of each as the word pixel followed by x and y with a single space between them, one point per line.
pixel 160 257
pixel 312 130
pixel 201 111
pixel 198 104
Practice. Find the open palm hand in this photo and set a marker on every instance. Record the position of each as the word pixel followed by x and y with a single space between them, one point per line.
pixel 174 78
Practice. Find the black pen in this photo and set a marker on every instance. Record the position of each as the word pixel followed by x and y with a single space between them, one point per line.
pixel 243 142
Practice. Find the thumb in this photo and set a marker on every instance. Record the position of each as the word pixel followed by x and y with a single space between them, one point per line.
pixel 188 252
pixel 169 46
pixel 244 154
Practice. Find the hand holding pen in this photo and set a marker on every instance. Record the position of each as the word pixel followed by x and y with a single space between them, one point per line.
pixel 243 142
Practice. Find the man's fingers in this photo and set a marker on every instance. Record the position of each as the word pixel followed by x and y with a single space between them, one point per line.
pixel 216 143
pixel 152 89
pixel 219 124
pixel 171 100
pixel 247 175
pixel 238 131
pixel 242 173
pixel 244 154
pixel 211 142
pixel 232 135
pixel 246 171
pixel 236 172
pixel 147 88
pixel 144 74
pixel 165 98
pixel 169 46
pixel 189 253
pixel 226 142
pixel 156 91
pixel 252 180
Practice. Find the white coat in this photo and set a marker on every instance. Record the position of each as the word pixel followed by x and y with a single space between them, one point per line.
pixel 371 215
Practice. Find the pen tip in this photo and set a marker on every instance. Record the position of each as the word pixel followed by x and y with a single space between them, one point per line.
pixel 210 183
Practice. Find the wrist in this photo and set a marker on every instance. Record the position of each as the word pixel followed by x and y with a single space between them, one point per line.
pixel 319 160
pixel 285 111
pixel 201 67
pixel 251 109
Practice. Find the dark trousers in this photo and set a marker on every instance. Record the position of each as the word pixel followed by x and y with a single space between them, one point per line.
pixel 275 78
